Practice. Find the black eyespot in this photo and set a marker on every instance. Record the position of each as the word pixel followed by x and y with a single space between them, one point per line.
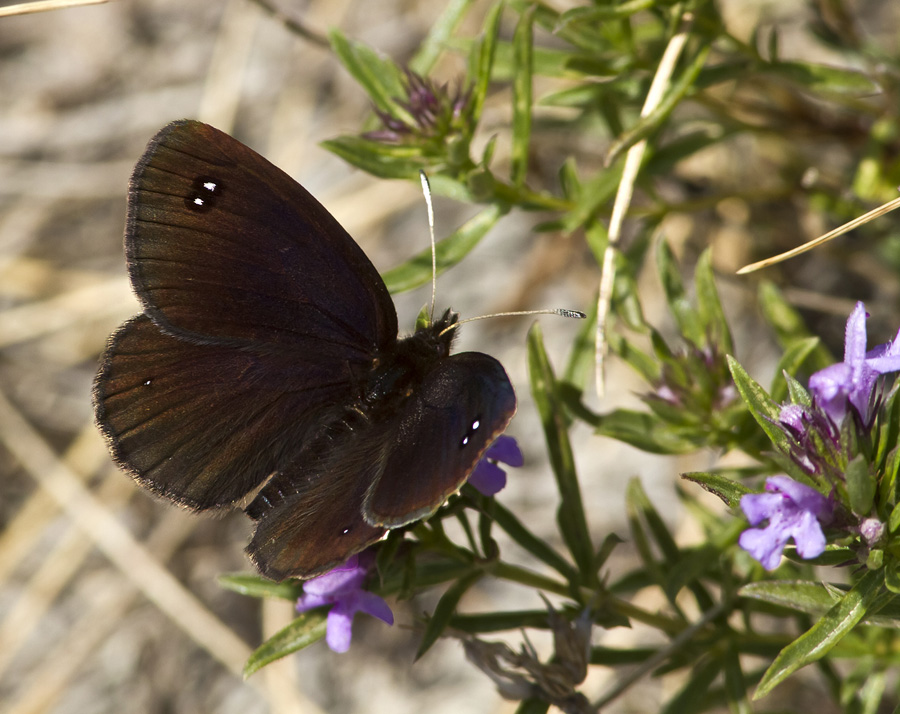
pixel 205 191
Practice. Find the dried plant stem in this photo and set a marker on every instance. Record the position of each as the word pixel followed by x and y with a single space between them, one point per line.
pixel 840 230
pixel 27 8
pixel 623 199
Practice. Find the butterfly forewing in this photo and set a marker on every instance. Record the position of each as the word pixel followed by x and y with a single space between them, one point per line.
pixel 223 245
pixel 462 404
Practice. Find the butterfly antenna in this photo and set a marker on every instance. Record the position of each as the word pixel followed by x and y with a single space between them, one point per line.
pixel 426 191
pixel 561 311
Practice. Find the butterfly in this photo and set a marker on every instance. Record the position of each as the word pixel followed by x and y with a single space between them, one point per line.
pixel 266 364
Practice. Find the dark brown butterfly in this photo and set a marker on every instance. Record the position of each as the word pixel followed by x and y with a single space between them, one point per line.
pixel 267 358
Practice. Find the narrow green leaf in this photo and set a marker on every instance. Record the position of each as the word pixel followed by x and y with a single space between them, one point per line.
pixel 605 550
pixel 688 320
pixel 693 695
pixel 645 432
pixel 825 79
pixel 538 547
pixel 382 160
pixel 709 306
pixel 522 97
pixel 593 13
pixel 860 485
pixel 764 410
pixel 258 586
pixel 379 77
pixel 595 192
pixel 305 630
pixel 449 251
pixel 894 520
pixel 499 621
pixel 729 491
pixel 800 595
pixel 735 682
pixel 795 355
pixel 639 534
pixel 825 634
pixel 788 324
pixel 445 609
pixel 441 31
pixel 481 65
pixel 580 365
pixel 570 516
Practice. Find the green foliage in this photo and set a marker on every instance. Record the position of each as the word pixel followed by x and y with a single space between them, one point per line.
pixel 579 78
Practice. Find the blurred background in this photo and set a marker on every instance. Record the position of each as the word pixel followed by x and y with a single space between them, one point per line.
pixel 93 620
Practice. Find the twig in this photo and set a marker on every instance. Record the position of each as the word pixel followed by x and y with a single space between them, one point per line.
pixel 623 198
pixel 849 226
pixel 27 8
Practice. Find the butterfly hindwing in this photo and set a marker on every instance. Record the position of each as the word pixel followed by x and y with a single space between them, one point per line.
pixel 461 405
pixel 309 516
pixel 203 425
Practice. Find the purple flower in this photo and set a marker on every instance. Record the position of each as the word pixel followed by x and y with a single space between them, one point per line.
pixel 488 477
pixel 435 111
pixel 850 382
pixel 342 589
pixel 793 510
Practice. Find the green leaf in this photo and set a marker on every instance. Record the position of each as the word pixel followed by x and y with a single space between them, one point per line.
pixel 696 691
pixel 710 307
pixel 860 486
pixel 445 609
pixel 538 547
pixel 892 576
pixel 593 13
pixel 764 410
pixel 596 191
pixel 795 355
pixel 816 642
pixel 382 160
pixel 788 324
pixel 448 251
pixel 522 99
pixel 482 623
pixel 570 516
pixel 482 63
pixel 305 630
pixel 258 586
pixel 729 491
pixel 825 79
pixel 441 31
pixel 381 79
pixel 646 432
pixel 800 595
pixel 580 365
pixel 689 324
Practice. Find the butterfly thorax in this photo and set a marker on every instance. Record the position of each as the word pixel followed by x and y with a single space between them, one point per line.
pixel 396 372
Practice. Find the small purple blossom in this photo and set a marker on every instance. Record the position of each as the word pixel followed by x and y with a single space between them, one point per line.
pixel 793 510
pixel 435 110
pixel 850 382
pixel 814 440
pixel 342 589
pixel 488 477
